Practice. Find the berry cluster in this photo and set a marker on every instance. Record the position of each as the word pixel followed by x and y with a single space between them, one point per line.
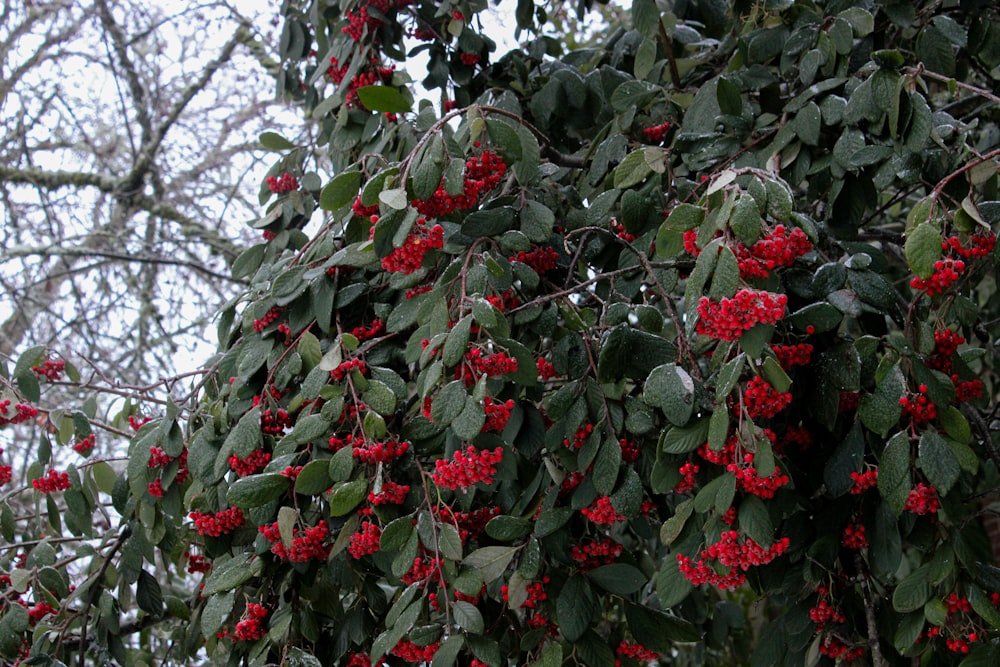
pixel 18 414
pixel 366 541
pixel 854 536
pixel 220 523
pixel 863 481
pixel 306 544
pixel 736 558
pixel 51 369
pixel 799 436
pixel 504 302
pixel 630 450
pixel 360 23
pixel 946 272
pixel 408 257
pixel 391 494
pixel 475 365
pixel 270 316
pixel 155 488
pixel 281 184
pixel 636 651
pixel 981 245
pixel 345 368
pixel 273 422
pixel 536 594
pixel 467 58
pixel 135 423
pixel 418 290
pixel 424 571
pixel 497 414
pixel 594 554
pixel 255 461
pixel 197 563
pixel 251 627
pixel 540 259
pixel 657 133
pixel 580 437
pixel 373 75
pixel 727 319
pixel 359 660
pixel 946 344
pixel 790 356
pixel 749 481
pixel 39 611
pixel 848 401
pixel 52 481
pixel 363 211
pixel 85 446
pixel 467 468
pixel 763 400
pixel 379 452
pixel 482 174
pixel 546 371
pixel 966 390
pixel 620 231
pixel 362 333
pixel 602 512
pixel 6 474
pixel 922 500
pixel 918 407
pixel 411 653
pixel 687 484
pixel 777 249
pixel 835 649
pixel 470 524
pixel 824 613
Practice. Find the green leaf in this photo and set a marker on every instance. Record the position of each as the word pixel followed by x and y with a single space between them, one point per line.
pixel 618 578
pixel 273 141
pixel 13 624
pixel 912 592
pixel 846 458
pixel 575 607
pixel 808 124
pixel 537 221
pixel 383 99
pixel 938 462
pixel 880 411
pixel 726 277
pixel 248 262
pixel 656 630
pixel 645 17
pixel 673 526
pixel 670 388
pixel 314 478
pixel 340 191
pixel 551 656
pixel 729 375
pixel 684 439
pixel 229 574
pixel 257 490
pixel 469 423
pixel 632 170
pixel 686 216
pixel 755 521
pixel 447 653
pixel 507 528
pixel 457 343
pixel 894 472
pixel 216 611
pixel 468 617
pixel 923 249
pixel 490 562
pixel 449 403
pixel 745 220
pixel 148 595
pixel 728 97
pixel 549 521
pixel 344 497
pixel 428 170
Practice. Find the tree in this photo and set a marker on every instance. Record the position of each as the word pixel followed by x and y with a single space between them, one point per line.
pixel 675 347
pixel 128 137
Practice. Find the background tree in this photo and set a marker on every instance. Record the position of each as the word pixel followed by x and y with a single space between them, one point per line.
pixel 676 348
pixel 129 133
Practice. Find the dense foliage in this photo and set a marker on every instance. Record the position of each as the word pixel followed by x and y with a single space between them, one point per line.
pixel 677 346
